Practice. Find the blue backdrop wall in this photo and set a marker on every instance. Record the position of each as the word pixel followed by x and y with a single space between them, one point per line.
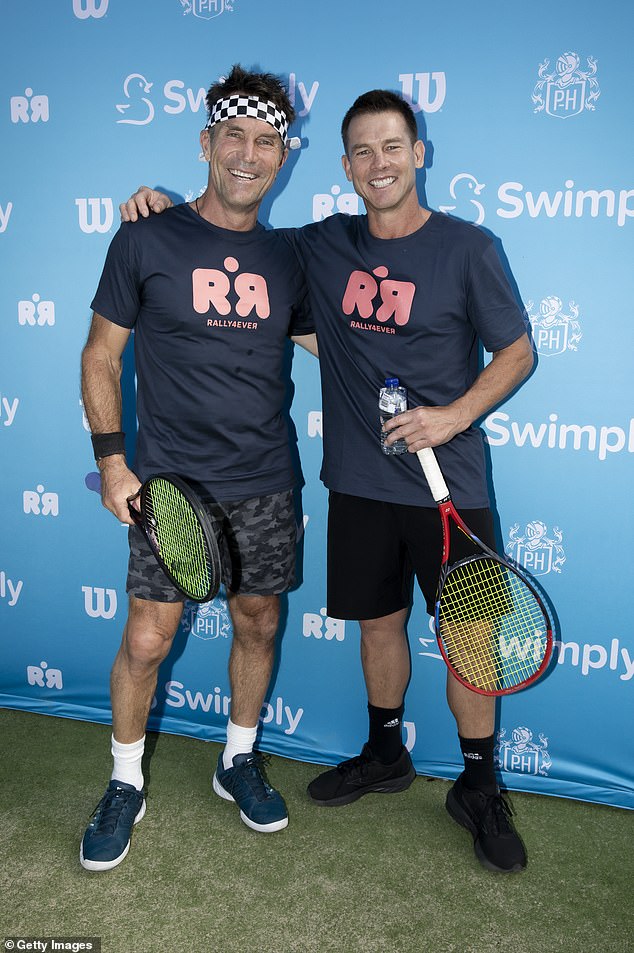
pixel 527 116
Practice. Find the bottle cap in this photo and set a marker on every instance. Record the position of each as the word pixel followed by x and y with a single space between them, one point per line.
pixel 391 381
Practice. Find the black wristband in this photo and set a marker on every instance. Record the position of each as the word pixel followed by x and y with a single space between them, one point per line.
pixel 107 444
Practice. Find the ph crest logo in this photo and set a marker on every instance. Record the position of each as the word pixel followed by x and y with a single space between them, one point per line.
pixel 554 331
pixel 206 9
pixel 207 621
pixel 535 550
pixel 521 754
pixel 569 89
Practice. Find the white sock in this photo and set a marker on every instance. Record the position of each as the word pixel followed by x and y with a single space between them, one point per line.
pixel 239 741
pixel 127 762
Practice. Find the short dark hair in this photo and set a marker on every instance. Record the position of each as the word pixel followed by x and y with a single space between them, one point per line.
pixel 380 101
pixel 242 81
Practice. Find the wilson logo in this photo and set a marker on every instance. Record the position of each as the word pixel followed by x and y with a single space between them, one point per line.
pixel 90 8
pixel 425 92
pixel 95 214
pixel 99 603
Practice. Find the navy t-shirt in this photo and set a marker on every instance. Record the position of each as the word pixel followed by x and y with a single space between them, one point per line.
pixel 412 308
pixel 211 309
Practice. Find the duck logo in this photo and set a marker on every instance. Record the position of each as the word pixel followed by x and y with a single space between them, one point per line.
pixel 520 754
pixel 462 189
pixel 138 110
pixel 206 9
pixel 553 331
pixel 535 550
pixel 568 90
pixel 208 621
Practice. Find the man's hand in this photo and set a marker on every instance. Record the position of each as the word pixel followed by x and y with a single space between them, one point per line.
pixel 118 483
pixel 425 427
pixel 144 201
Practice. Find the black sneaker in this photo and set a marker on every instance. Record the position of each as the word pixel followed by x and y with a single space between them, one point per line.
pixel 351 779
pixel 488 817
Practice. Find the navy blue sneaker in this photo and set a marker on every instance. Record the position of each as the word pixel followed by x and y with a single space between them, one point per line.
pixel 261 807
pixel 497 844
pixel 107 838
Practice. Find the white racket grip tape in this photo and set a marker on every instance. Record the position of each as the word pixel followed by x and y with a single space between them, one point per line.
pixel 433 474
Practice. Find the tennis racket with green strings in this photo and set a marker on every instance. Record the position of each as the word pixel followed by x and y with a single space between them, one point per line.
pixel 492 627
pixel 180 534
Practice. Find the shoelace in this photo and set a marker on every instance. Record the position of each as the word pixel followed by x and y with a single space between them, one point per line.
pixel 496 816
pixel 107 813
pixel 354 766
pixel 254 773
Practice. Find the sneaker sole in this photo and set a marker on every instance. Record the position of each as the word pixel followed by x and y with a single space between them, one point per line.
pixel 97 865
pixel 460 816
pixel 394 786
pixel 261 828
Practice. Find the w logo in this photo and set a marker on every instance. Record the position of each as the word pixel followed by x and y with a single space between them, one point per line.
pixel 95 602
pixel 101 215
pixel 90 8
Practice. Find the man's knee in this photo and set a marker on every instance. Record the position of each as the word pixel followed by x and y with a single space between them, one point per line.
pixel 255 618
pixel 150 631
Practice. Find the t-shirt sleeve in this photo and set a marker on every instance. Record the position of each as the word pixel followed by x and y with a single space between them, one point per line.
pixel 118 296
pixel 491 305
pixel 301 319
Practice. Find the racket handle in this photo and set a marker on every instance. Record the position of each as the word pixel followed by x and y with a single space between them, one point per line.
pixel 432 472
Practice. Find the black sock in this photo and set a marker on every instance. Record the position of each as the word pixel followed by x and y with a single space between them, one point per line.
pixel 479 772
pixel 385 732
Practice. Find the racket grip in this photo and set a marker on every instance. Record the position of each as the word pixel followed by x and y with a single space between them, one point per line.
pixel 433 474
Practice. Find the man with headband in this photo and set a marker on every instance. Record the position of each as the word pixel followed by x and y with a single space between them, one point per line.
pixel 212 297
pixel 446 292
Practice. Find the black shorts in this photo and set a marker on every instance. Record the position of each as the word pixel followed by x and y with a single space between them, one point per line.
pixel 375 549
pixel 257 539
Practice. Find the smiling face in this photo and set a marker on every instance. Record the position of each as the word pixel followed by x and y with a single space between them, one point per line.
pixel 381 162
pixel 245 155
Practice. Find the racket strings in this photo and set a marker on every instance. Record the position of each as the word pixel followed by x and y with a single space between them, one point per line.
pixel 179 538
pixel 491 625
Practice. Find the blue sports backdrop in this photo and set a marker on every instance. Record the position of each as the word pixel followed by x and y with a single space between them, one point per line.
pixel 527 115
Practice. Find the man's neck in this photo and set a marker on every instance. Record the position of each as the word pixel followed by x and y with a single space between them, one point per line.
pixel 235 220
pixel 397 223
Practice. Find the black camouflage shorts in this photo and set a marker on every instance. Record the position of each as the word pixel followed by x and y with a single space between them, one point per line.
pixel 257 539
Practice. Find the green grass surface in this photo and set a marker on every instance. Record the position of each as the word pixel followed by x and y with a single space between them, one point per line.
pixel 388 874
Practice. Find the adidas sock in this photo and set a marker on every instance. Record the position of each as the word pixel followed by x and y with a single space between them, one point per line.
pixel 479 772
pixel 239 741
pixel 127 762
pixel 385 732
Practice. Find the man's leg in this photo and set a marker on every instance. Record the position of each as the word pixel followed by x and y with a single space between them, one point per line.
pixel 147 639
pixel 384 765
pixel 240 776
pixel 475 801
pixel 258 550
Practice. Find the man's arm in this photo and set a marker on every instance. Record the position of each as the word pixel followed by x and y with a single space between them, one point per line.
pixel 433 426
pixel 101 393
pixel 144 201
pixel 307 341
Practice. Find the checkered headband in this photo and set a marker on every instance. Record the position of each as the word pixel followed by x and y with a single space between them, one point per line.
pixel 262 109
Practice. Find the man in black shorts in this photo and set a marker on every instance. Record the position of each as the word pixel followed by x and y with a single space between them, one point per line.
pixel 409 294
pixel 404 292
pixel 212 297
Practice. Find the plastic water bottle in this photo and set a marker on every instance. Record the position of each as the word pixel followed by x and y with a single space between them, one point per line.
pixel 392 401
